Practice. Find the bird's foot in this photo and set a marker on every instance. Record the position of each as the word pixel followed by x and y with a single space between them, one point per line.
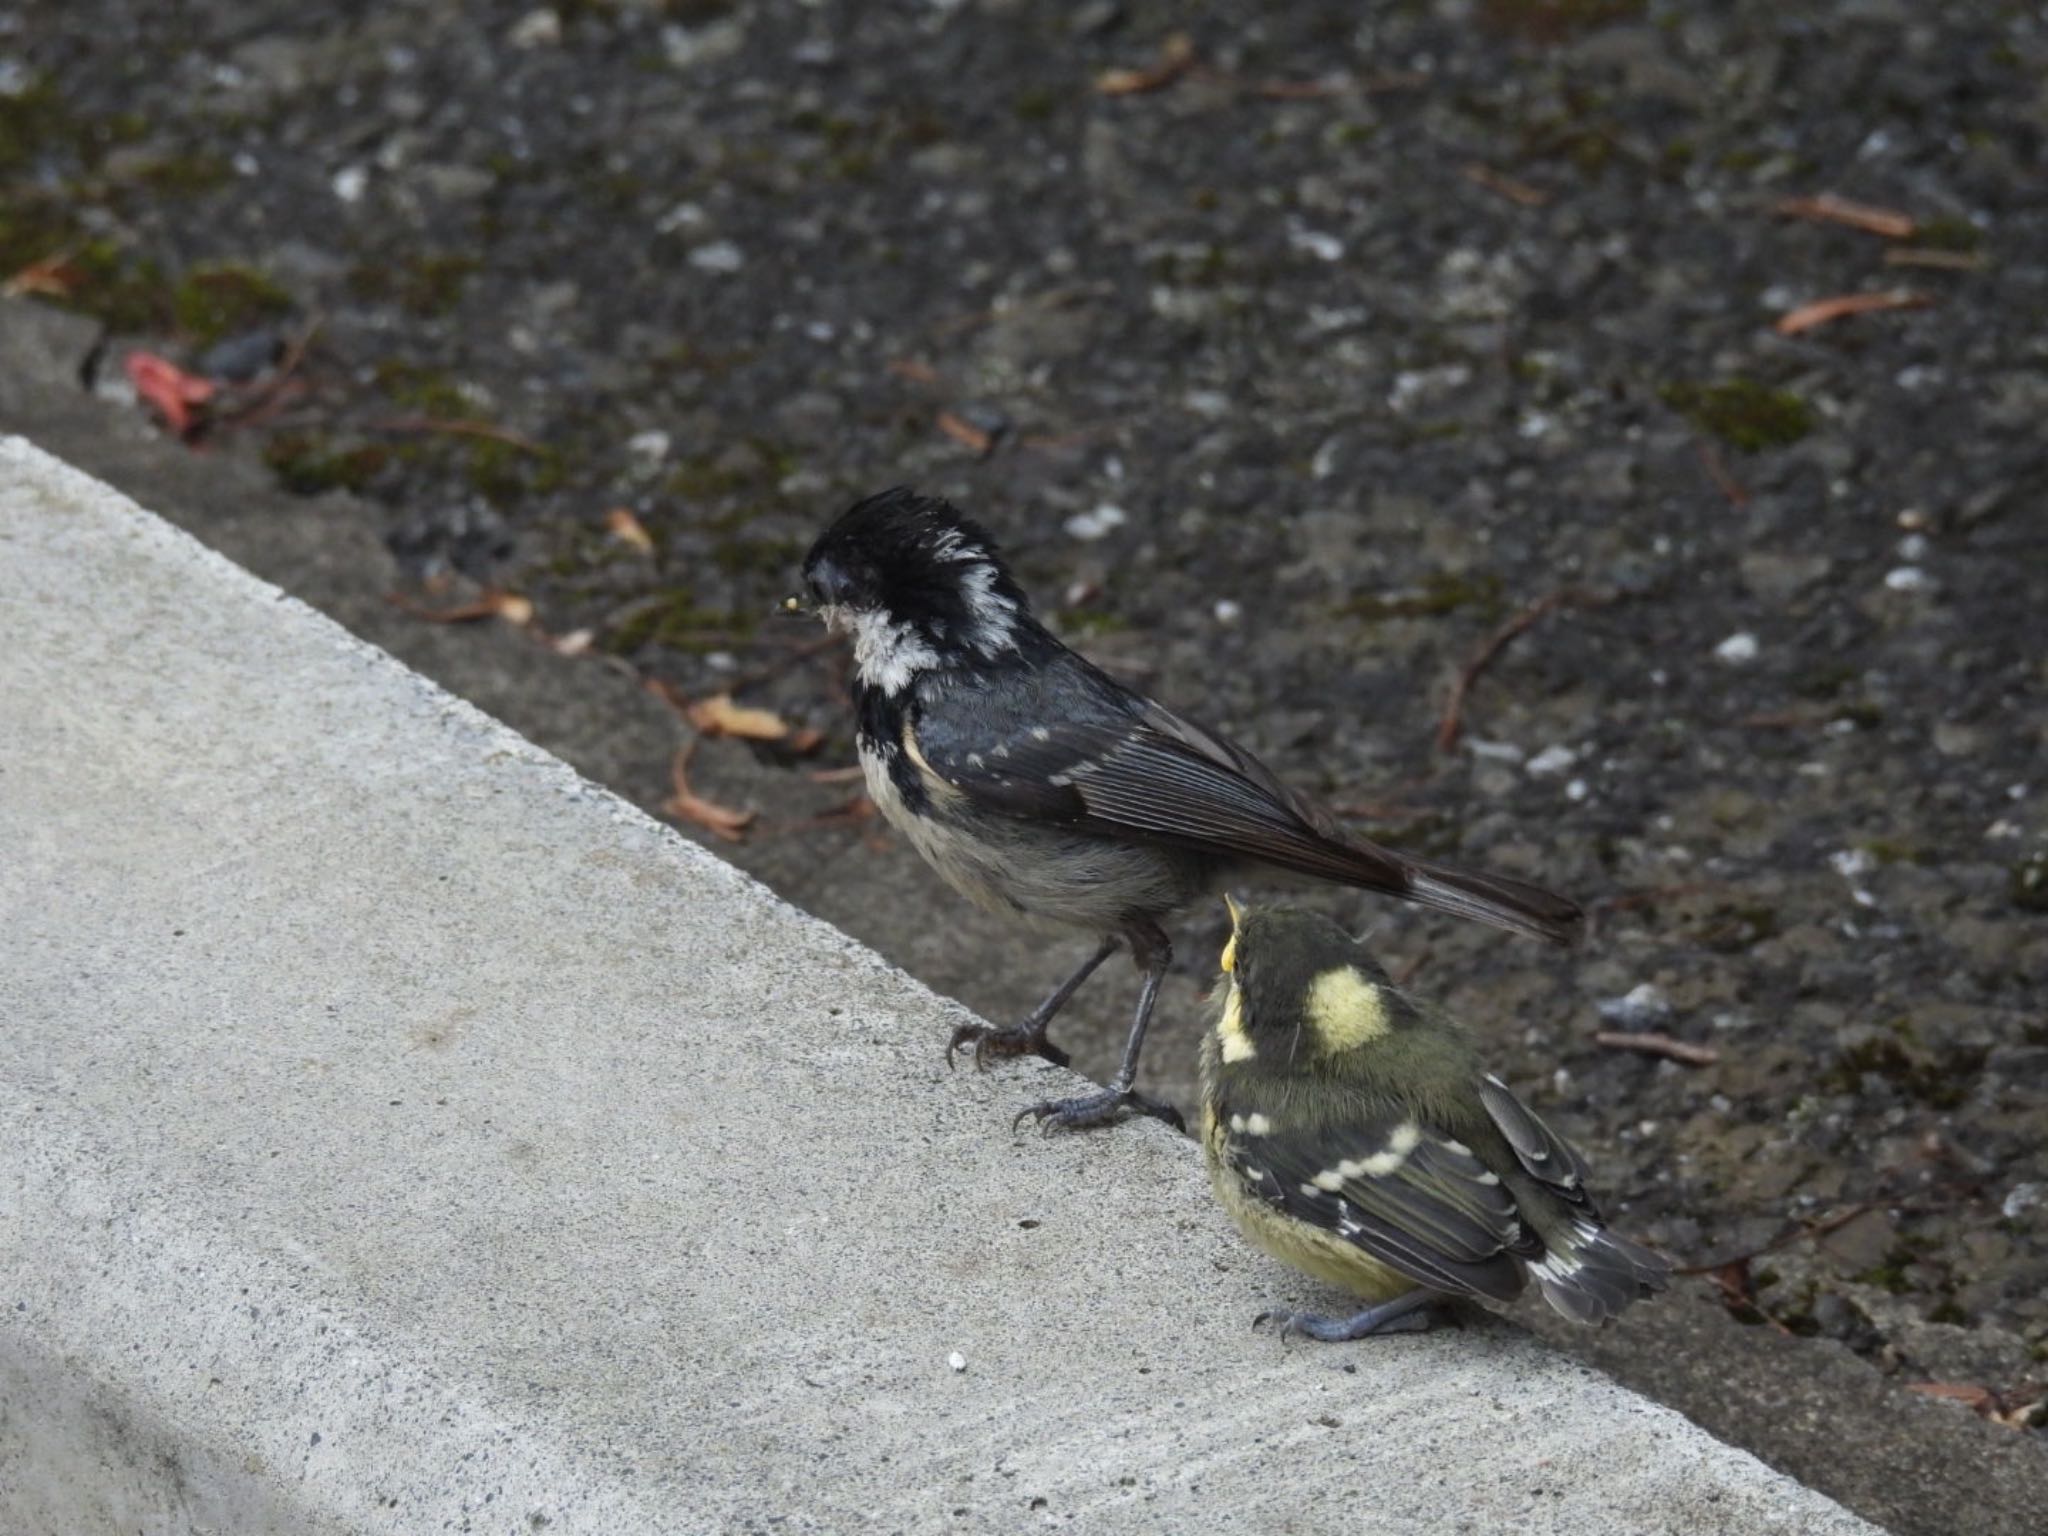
pixel 989 1041
pixel 1086 1111
pixel 1404 1314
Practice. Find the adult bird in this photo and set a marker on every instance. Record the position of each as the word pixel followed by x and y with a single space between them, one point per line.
pixel 1041 788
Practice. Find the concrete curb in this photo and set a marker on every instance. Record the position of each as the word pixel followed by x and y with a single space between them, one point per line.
pixel 417 1137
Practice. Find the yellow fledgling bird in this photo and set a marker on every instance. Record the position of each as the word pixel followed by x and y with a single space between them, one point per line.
pixel 1351 1131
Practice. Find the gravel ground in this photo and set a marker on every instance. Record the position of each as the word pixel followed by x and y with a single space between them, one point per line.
pixel 1289 380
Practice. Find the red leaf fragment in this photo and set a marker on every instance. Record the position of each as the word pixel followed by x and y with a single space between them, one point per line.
pixel 178 397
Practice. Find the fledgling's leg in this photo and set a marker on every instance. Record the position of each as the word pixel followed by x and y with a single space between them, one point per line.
pixel 1028 1038
pixel 1153 952
pixel 1408 1313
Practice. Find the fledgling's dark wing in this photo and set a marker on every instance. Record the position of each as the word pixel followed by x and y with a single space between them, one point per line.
pixel 1126 767
pixel 1593 1272
pixel 1414 1199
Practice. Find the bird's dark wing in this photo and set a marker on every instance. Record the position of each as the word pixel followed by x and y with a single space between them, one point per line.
pixel 1123 777
pixel 1416 1200
pixel 1544 1155
pixel 1592 1272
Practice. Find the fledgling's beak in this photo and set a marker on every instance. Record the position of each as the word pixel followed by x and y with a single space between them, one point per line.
pixel 1229 958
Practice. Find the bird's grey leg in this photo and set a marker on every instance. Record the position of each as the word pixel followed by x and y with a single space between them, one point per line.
pixel 1407 1313
pixel 1153 951
pixel 1028 1038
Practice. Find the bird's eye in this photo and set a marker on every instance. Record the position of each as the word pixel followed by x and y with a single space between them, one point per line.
pixel 828 582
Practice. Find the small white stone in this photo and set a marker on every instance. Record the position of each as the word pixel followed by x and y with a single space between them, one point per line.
pixel 1317 244
pixel 1852 863
pixel 1576 790
pixel 350 182
pixel 719 256
pixel 1228 610
pixel 1913 547
pixel 1494 751
pixel 1099 524
pixel 1641 1005
pixel 2002 831
pixel 2022 1198
pixel 1552 759
pixel 651 445
pixel 682 216
pixel 536 29
pixel 1907 578
pixel 957 1361
pixel 245 164
pixel 1737 649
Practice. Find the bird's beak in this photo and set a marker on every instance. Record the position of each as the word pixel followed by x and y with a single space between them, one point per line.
pixel 1229 960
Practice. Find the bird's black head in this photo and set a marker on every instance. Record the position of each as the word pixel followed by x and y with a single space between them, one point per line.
pixel 916 584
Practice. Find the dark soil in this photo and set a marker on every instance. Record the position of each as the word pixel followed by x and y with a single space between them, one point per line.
pixel 1288 382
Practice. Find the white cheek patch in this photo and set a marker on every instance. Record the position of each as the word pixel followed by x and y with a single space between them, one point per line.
pixel 992 618
pixel 886 652
pixel 1237 1045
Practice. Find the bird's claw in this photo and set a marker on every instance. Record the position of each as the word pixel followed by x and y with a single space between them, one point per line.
pixel 1016 1040
pixel 1370 1323
pixel 1084 1112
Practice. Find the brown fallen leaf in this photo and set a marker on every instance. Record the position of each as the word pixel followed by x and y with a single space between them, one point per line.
pixel 719 716
pixel 836 775
pixel 622 525
pixel 1176 58
pixel 1830 209
pixel 965 433
pixel 721 821
pixel 493 604
pixel 56 277
pixel 1821 311
pixel 805 740
pixel 1506 186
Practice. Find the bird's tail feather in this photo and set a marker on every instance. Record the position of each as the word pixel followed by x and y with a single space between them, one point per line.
pixel 1593 1274
pixel 1512 904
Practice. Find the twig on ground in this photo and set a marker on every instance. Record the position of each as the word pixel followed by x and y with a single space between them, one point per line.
pixel 1718 471
pixel 1506 186
pixel 1654 1044
pixel 1565 597
pixel 1821 311
pixel 456 426
pixel 1830 209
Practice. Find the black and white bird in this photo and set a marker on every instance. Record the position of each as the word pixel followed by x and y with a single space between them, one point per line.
pixel 1041 788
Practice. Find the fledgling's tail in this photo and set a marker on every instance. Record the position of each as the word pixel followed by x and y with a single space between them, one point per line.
pixel 1591 1274
pixel 1512 904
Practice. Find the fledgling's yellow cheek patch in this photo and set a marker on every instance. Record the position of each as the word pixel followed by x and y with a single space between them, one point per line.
pixel 1345 1009
pixel 1237 1043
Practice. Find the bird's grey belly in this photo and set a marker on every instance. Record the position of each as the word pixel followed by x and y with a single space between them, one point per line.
pixel 1047 876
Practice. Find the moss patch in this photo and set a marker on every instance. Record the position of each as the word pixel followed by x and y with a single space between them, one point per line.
pixel 1743 413
pixel 224 300
pixel 1440 593
pixel 676 619
pixel 307 465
